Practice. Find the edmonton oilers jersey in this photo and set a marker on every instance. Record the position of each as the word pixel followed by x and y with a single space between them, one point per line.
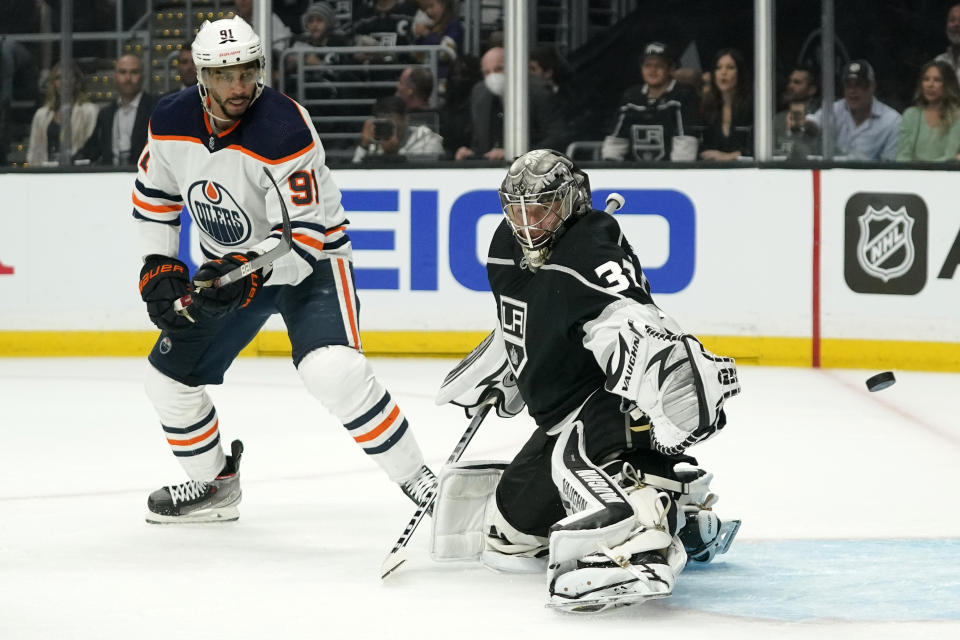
pixel 542 313
pixel 219 178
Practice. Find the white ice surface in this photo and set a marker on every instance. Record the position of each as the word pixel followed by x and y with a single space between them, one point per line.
pixel 808 456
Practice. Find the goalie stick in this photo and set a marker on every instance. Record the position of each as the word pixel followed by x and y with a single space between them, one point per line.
pixel 397 555
pixel 182 305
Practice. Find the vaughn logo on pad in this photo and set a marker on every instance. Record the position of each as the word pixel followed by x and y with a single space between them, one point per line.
pixel 885 243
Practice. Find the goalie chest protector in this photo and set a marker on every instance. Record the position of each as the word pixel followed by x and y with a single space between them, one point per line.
pixel 542 313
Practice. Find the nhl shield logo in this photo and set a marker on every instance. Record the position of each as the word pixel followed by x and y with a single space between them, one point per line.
pixel 885 243
pixel 885 248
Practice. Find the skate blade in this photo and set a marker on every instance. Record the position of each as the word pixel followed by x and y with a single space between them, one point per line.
pixel 728 531
pixel 596 605
pixel 223 514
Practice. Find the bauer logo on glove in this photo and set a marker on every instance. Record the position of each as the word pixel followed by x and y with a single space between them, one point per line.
pixel 211 301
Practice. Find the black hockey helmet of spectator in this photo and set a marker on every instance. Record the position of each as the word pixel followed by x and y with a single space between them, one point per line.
pixel 657 49
pixel 858 71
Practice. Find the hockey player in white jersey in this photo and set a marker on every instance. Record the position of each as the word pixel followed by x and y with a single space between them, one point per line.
pixel 207 149
pixel 602 495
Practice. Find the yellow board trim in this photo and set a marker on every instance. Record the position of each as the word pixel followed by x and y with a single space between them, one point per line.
pixel 768 351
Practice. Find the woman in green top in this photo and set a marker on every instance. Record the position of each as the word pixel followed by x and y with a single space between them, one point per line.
pixel 930 130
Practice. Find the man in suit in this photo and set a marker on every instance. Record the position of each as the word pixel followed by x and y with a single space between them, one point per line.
pixel 121 129
pixel 547 128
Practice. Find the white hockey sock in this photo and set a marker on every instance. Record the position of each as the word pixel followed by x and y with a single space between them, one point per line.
pixel 190 424
pixel 341 378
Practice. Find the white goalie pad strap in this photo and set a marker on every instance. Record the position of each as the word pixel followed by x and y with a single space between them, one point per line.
pixel 463 494
pixel 675 381
pixel 484 372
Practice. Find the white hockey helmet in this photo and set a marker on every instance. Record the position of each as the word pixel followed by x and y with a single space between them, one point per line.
pixel 224 43
pixel 542 190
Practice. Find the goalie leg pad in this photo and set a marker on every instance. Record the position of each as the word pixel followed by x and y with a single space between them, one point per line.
pixel 464 492
pixel 189 422
pixel 642 564
pixel 342 380
pixel 509 550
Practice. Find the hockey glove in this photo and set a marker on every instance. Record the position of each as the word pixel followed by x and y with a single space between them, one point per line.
pixel 210 302
pixel 672 379
pixel 163 280
pixel 483 375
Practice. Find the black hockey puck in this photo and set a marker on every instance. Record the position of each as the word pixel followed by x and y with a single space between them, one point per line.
pixel 881 381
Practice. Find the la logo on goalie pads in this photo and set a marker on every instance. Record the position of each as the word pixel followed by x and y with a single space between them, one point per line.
pixel 674 380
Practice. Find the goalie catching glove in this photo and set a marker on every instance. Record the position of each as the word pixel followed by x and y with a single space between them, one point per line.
pixel 671 378
pixel 481 377
pixel 210 301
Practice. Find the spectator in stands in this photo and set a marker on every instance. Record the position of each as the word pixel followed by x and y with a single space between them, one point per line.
pixel 793 137
pixel 865 128
pixel 281 35
pixel 388 136
pixel 415 88
pixel 456 125
pixel 653 112
pixel 952 55
pixel 121 130
pixel 442 27
pixel 45 130
pixel 387 23
pixel 319 30
pixel 547 128
pixel 728 109
pixel 185 67
pixel 930 130
pixel 553 70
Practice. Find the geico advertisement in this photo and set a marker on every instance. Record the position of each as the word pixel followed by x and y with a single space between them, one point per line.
pixel 709 241
pixel 891 252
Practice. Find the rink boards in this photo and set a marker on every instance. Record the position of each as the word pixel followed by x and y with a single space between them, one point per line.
pixel 792 267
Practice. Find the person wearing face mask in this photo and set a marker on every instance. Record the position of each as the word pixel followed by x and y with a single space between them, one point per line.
pixel 952 55
pixel 547 128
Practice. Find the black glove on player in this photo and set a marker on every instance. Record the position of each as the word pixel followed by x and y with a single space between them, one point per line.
pixel 216 302
pixel 162 281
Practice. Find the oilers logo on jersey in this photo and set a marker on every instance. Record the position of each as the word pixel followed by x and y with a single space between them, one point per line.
pixel 217 213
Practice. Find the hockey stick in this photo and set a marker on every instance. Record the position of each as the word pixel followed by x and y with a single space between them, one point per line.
pixel 268 258
pixel 614 202
pixel 397 555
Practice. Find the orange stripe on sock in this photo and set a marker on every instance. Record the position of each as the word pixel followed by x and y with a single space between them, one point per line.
pixel 383 426
pixel 344 282
pixel 204 436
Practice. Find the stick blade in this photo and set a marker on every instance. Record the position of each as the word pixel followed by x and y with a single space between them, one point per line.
pixel 392 562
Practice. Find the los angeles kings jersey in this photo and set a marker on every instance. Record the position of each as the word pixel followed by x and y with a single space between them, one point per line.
pixel 542 313
pixel 220 179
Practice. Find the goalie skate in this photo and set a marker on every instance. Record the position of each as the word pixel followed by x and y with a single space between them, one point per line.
pixel 196 502
pixel 601 585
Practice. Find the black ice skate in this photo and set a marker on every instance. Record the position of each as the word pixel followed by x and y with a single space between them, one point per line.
pixel 419 486
pixel 214 501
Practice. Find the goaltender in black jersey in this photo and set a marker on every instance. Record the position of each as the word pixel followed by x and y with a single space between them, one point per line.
pixel 602 496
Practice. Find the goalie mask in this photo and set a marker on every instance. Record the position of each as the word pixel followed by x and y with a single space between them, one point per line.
pixel 226 43
pixel 542 191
